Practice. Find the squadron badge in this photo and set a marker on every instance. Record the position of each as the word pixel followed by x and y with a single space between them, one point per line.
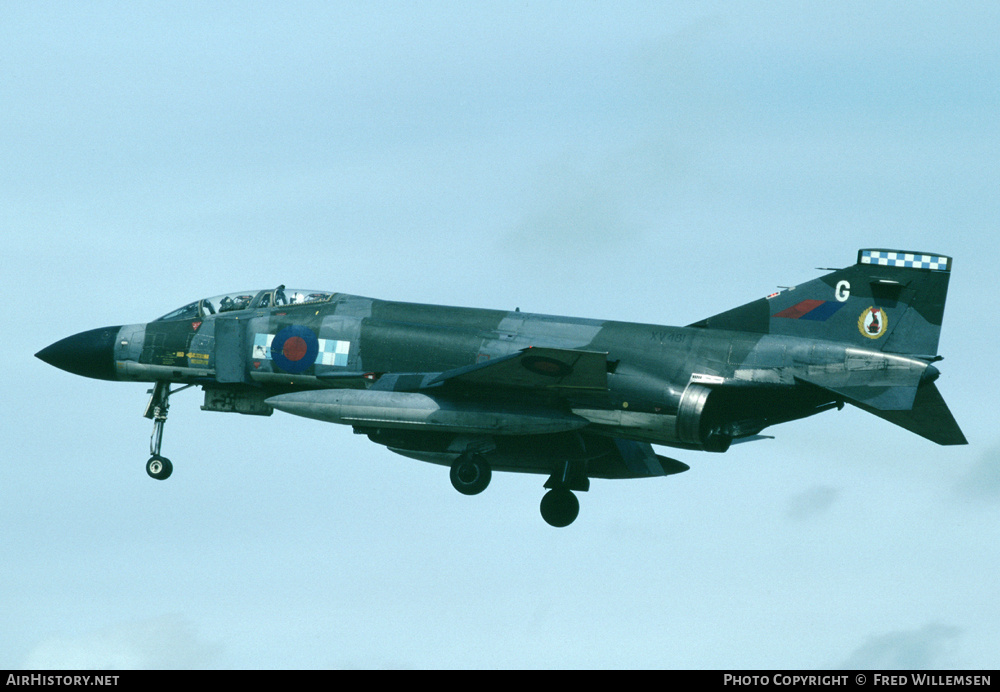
pixel 873 322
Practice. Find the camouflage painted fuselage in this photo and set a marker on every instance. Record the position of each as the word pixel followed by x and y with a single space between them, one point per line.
pixel 536 392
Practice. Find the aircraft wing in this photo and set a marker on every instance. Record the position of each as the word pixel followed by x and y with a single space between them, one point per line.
pixel 426 402
pixel 534 368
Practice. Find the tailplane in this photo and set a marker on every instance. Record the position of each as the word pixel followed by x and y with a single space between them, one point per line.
pixel 930 417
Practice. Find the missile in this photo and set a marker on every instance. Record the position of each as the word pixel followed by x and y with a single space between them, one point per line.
pixel 413 410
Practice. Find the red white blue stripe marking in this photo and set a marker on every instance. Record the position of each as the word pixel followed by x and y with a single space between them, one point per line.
pixel 817 310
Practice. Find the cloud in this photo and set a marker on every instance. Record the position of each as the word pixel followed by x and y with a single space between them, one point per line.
pixel 922 649
pixel 982 481
pixel 163 643
pixel 812 502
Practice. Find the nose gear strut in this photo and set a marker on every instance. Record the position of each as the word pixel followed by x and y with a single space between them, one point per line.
pixel 159 467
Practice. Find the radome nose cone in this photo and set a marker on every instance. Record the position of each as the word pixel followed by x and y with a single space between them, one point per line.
pixel 91 353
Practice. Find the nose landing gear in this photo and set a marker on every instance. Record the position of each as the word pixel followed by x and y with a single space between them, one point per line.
pixel 157 466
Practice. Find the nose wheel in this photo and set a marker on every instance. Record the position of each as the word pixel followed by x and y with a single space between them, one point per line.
pixel 159 467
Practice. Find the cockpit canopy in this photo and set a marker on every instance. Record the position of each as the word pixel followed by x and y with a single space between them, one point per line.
pixel 245 300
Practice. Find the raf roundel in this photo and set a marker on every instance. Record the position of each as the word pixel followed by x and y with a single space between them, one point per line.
pixel 294 349
pixel 550 367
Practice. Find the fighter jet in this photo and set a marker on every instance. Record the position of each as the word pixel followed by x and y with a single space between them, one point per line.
pixel 572 399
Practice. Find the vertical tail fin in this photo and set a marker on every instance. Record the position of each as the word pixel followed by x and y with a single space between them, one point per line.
pixel 890 300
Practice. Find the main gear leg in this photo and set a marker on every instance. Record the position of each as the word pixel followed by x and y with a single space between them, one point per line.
pixel 560 507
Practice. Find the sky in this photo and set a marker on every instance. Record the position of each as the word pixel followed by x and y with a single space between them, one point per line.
pixel 645 161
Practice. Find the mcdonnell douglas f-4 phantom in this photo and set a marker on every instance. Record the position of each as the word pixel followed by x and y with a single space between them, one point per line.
pixel 571 399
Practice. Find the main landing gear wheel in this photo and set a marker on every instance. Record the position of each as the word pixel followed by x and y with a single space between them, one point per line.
pixel 560 507
pixel 470 474
pixel 159 467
